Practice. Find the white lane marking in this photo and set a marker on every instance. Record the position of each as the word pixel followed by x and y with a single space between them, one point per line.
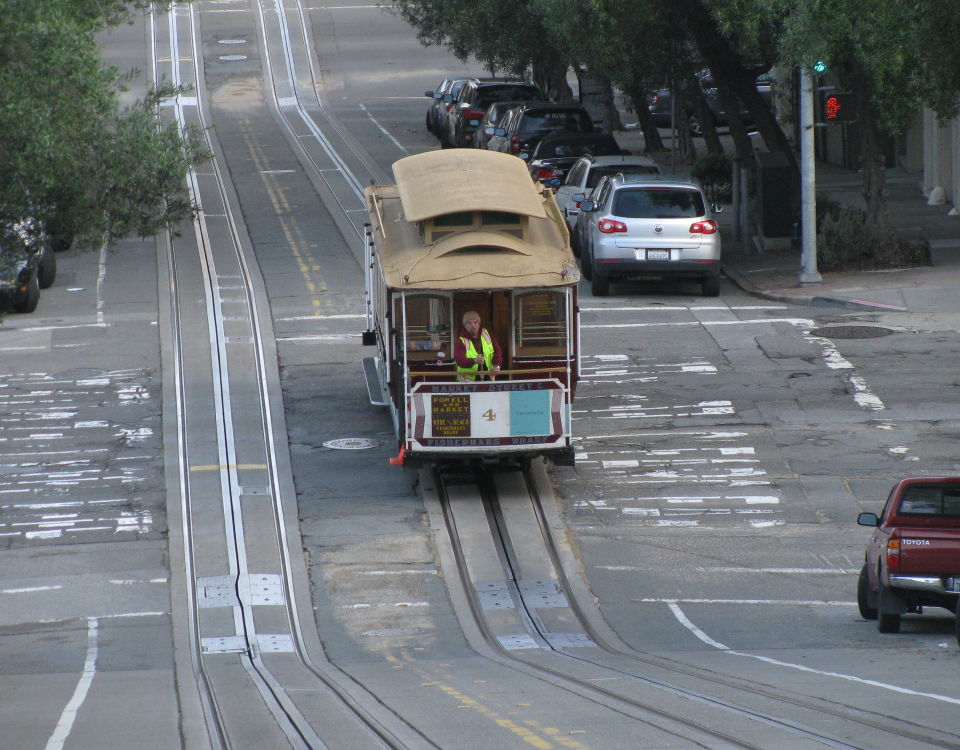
pixel 132 581
pixel 738 569
pixel 101 278
pixel 678 613
pixel 836 361
pixel 863 396
pixel 322 337
pixel 683 308
pixel 682 618
pixel 69 714
pixel 693 323
pixel 774 602
pixel 383 130
pixel 322 317
pixel 30 589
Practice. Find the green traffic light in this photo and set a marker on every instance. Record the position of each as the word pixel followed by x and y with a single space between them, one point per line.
pixel 819 66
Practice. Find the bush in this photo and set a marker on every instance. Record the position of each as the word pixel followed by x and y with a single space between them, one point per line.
pixel 715 173
pixel 846 243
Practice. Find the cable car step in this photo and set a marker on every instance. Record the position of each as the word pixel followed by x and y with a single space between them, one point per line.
pixel 372 376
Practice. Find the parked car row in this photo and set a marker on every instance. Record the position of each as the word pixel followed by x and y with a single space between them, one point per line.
pixel 659 102
pixel 460 103
pixel 626 220
pixel 28 264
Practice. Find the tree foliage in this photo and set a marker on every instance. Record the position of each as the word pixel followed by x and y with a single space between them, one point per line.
pixel 72 157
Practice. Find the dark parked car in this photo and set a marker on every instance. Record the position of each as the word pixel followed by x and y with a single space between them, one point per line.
pixel 523 127
pixel 27 265
pixel 557 152
pixel 658 102
pixel 442 97
pixel 475 96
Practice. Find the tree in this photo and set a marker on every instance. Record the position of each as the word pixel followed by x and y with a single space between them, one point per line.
pixel 72 157
pixel 507 37
pixel 897 57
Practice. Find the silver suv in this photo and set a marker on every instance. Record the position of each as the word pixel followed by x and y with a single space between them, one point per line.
pixel 638 227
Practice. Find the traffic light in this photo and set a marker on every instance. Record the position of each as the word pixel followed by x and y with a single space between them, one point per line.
pixel 837 106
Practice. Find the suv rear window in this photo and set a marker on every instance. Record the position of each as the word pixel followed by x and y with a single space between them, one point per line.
pixel 490 94
pixel 535 123
pixel 941 502
pixel 657 203
pixel 597 172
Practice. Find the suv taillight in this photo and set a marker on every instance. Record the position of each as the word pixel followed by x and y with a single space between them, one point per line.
pixel 473 116
pixel 708 226
pixel 515 144
pixel 611 226
pixel 893 552
pixel 545 173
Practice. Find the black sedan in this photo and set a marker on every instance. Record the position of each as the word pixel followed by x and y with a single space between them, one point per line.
pixel 556 153
pixel 27 265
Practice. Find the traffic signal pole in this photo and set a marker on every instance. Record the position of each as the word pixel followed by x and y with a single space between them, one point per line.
pixel 808 184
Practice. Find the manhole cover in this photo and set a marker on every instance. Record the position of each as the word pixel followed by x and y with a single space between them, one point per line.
pixel 351 444
pixel 851 332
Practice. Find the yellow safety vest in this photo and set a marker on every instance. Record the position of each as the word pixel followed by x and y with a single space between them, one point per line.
pixel 486 342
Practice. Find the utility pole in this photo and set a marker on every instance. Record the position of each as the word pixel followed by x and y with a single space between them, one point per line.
pixel 808 184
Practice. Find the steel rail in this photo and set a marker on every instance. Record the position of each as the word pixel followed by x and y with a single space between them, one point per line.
pixel 296 727
pixel 501 533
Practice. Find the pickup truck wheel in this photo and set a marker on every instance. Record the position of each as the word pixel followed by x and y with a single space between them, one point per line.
pixel 867 612
pixel 886 622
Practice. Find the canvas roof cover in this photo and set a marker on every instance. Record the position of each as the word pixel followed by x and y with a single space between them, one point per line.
pixel 471 259
pixel 453 180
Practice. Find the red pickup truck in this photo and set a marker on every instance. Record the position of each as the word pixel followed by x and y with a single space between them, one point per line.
pixel 913 558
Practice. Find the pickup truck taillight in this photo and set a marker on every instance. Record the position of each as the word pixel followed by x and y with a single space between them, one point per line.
pixel 515 144
pixel 893 552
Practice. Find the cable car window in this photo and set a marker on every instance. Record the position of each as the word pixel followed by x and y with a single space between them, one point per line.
pixel 428 326
pixel 461 219
pixel 493 218
pixel 541 323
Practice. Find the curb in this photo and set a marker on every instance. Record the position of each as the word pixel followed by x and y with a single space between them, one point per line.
pixel 812 300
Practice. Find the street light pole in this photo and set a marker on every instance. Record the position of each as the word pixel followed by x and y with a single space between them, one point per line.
pixel 808 184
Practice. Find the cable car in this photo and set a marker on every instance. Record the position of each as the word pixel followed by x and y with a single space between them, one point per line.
pixel 467 230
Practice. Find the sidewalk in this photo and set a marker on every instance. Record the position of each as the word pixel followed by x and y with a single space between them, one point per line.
pixel 774 274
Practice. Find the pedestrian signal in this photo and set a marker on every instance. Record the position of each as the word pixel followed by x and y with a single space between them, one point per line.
pixel 836 106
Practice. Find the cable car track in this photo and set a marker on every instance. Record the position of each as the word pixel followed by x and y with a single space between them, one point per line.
pixel 564 652
pixel 342 186
pixel 241 586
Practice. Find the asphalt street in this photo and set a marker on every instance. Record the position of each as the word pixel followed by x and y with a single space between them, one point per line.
pixel 725 447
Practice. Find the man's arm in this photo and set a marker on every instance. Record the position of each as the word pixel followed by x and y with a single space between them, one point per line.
pixel 460 353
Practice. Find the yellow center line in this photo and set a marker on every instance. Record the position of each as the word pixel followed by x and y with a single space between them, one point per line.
pixel 307 265
pixel 465 701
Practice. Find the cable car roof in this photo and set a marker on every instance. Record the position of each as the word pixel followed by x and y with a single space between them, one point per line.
pixel 453 180
pixel 472 259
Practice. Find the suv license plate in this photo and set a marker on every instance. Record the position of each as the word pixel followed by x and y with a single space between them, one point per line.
pixel 658 255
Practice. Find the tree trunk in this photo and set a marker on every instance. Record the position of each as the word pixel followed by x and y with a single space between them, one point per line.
pixel 708 122
pixel 552 79
pixel 872 165
pixel 729 71
pixel 651 135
